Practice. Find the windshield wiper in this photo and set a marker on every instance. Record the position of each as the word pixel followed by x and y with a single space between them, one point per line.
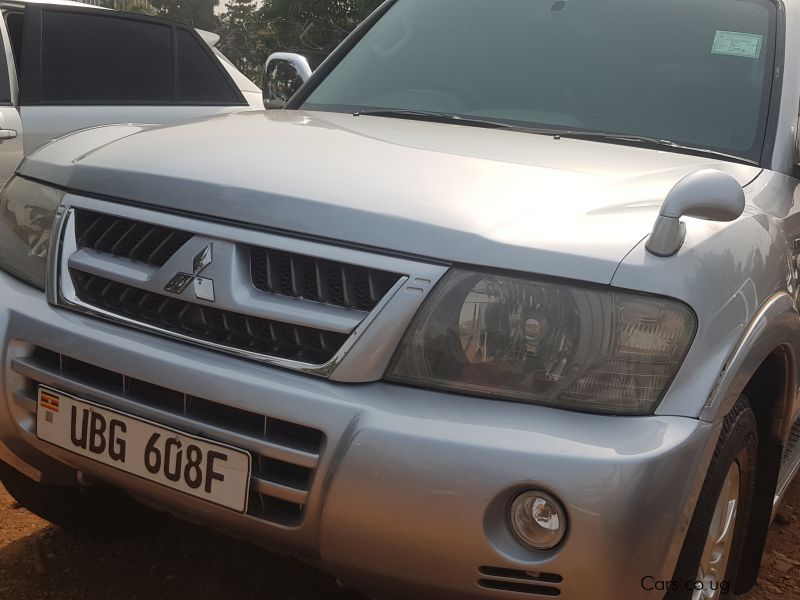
pixel 614 138
pixel 644 141
pixel 433 117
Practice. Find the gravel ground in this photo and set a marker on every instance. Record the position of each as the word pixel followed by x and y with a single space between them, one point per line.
pixel 177 561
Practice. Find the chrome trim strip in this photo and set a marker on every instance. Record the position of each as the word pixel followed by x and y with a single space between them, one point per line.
pixel 25 402
pixel 276 490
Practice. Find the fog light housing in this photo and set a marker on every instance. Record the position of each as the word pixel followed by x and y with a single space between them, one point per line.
pixel 538 520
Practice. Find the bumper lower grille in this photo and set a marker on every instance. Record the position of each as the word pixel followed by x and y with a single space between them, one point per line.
pixel 208 324
pixel 281 480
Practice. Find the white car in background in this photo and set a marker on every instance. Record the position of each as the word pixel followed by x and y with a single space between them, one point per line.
pixel 66 66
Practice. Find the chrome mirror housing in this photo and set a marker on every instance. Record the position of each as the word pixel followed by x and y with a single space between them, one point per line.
pixel 284 73
pixel 707 194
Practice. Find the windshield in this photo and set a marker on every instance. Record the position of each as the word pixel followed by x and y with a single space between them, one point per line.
pixel 696 72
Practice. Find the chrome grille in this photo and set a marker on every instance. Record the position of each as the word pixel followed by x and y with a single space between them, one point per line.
pixel 284 454
pixel 319 280
pixel 228 329
pixel 290 308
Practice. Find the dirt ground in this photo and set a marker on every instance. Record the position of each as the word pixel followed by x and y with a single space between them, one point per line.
pixel 177 561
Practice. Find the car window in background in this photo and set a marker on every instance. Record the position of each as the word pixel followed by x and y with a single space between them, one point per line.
pixel 697 73
pixel 200 79
pixel 14 22
pixel 124 60
pixel 117 59
pixel 5 84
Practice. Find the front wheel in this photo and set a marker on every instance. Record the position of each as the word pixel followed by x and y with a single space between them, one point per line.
pixel 710 557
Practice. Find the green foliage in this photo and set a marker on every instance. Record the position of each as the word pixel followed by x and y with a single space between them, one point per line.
pixel 244 37
pixel 313 27
pixel 197 13
pixel 134 6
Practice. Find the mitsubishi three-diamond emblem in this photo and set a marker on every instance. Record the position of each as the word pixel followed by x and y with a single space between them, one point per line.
pixel 203 287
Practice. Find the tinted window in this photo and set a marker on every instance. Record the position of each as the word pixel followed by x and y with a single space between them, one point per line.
pixel 200 77
pixel 5 85
pixel 697 73
pixel 104 59
pixel 14 25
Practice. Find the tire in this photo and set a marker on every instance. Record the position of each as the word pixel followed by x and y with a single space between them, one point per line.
pixel 99 510
pixel 737 449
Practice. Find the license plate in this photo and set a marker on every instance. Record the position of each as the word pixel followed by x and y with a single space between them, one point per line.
pixel 186 463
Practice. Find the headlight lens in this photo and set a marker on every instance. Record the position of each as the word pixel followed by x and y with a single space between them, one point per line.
pixel 27 212
pixel 572 347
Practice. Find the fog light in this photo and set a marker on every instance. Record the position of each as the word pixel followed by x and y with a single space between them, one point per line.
pixel 538 520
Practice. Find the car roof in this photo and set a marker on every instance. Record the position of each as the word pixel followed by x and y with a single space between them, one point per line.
pixel 59 2
pixel 208 37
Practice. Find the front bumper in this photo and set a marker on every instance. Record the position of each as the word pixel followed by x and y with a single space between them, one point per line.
pixel 409 492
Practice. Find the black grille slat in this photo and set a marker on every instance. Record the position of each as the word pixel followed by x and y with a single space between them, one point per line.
pixel 336 286
pixel 106 241
pixel 319 280
pixel 89 229
pixel 127 238
pixel 519 588
pixel 124 241
pixel 168 246
pixel 208 324
pixel 524 575
pixel 253 425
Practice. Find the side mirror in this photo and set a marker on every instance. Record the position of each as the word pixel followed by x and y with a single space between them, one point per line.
pixel 707 194
pixel 284 73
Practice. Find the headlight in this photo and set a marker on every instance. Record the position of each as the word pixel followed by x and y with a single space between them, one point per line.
pixel 27 213
pixel 571 347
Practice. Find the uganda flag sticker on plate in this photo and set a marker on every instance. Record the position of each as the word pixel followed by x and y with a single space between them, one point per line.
pixel 48 400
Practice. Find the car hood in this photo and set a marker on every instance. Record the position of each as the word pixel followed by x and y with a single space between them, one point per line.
pixel 494 198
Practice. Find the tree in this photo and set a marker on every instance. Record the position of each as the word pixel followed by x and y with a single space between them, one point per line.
pixel 197 13
pixel 135 6
pixel 244 37
pixel 313 27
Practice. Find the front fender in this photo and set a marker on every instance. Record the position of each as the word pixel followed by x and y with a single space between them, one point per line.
pixel 776 326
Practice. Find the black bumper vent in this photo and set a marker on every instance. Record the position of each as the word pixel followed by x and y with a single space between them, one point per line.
pixel 520 582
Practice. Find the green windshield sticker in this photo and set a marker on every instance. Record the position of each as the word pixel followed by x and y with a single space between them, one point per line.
pixel 734 43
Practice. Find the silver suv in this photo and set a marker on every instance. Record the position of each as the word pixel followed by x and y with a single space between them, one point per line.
pixel 501 304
